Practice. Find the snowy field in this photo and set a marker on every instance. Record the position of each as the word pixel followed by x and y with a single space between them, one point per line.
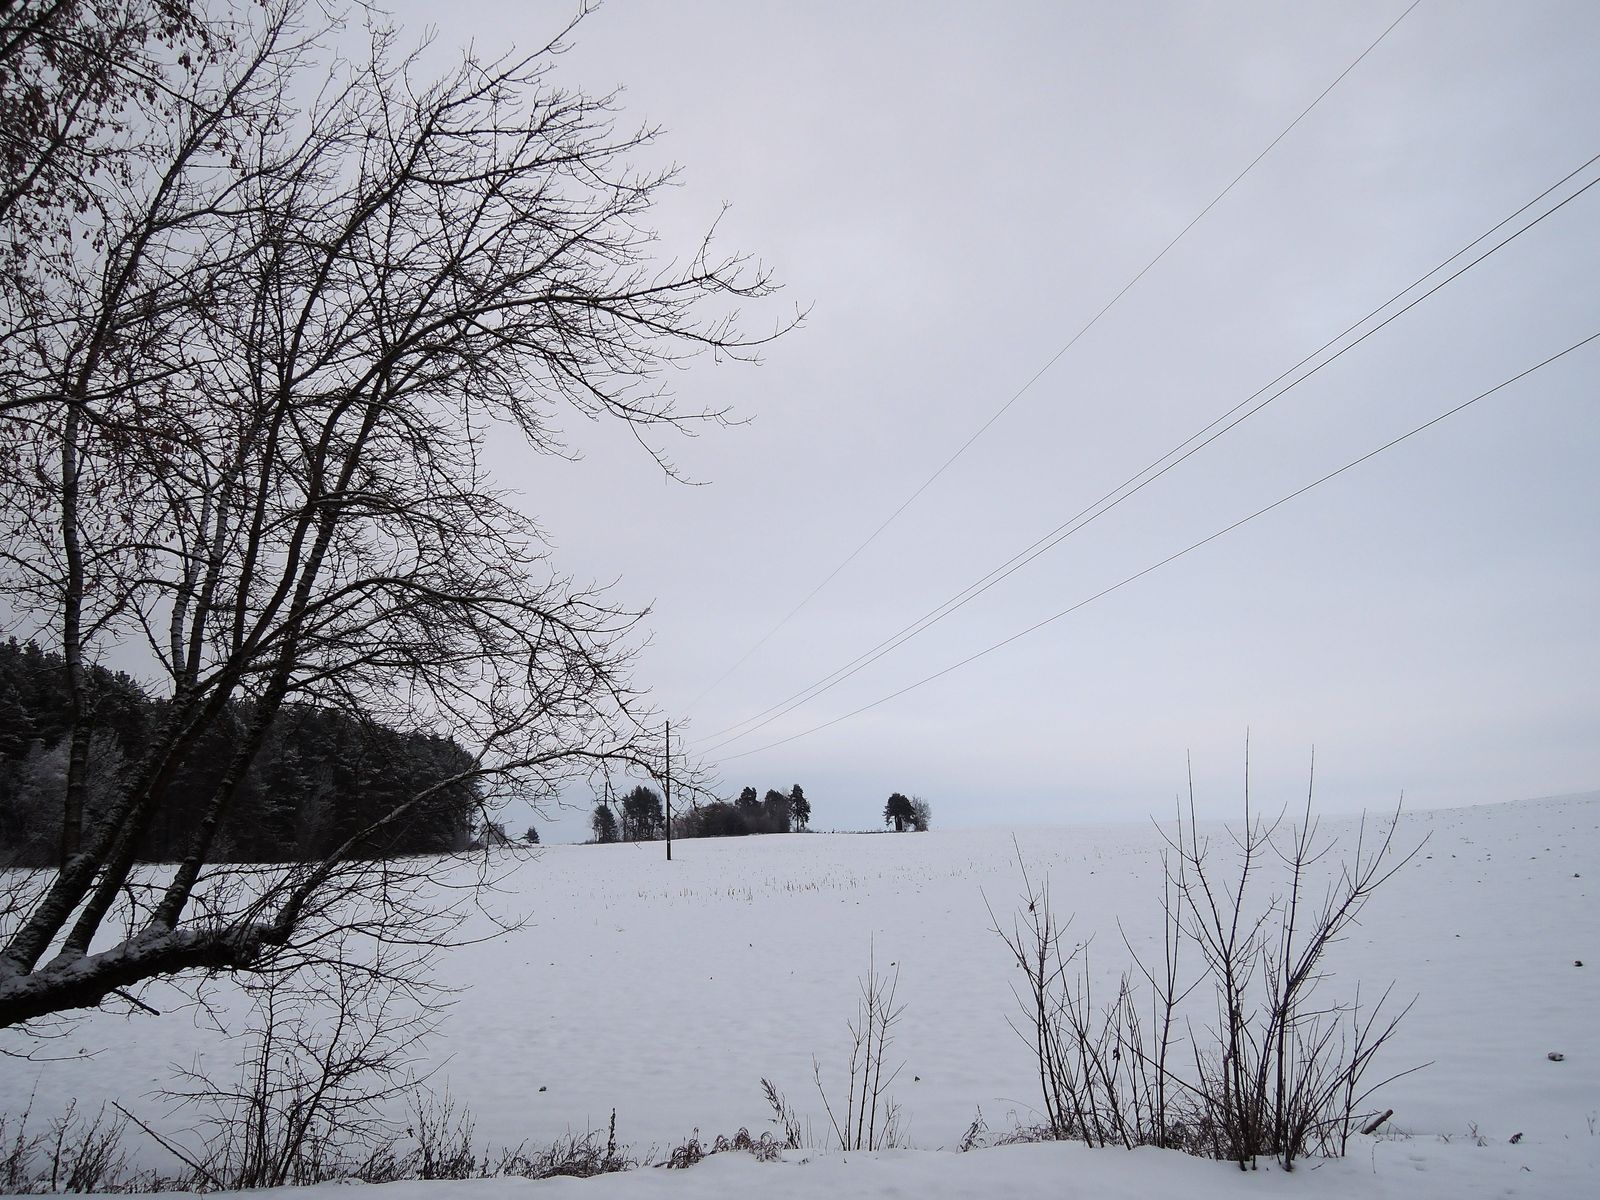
pixel 667 991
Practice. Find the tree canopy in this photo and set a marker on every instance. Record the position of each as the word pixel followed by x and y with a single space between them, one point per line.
pixel 263 302
pixel 643 819
pixel 898 811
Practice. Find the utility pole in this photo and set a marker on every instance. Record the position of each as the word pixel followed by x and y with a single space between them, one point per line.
pixel 669 791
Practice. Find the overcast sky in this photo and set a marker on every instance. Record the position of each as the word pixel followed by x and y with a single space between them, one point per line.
pixel 956 189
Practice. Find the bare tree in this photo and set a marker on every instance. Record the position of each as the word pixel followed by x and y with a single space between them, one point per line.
pixel 243 427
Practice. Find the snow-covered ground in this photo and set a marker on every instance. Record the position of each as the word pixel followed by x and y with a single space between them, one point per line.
pixel 668 991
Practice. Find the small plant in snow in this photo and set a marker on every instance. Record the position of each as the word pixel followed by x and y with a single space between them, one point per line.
pixel 867 1117
pixel 784 1117
pixel 763 1149
pixel 871 1118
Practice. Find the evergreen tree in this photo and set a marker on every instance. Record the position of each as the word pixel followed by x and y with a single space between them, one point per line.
pixel 799 807
pixel 899 810
pixel 775 811
pixel 604 823
pixel 642 815
pixel 320 775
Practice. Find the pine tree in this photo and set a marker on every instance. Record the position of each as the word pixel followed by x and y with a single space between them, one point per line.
pixel 775 806
pixel 799 807
pixel 900 810
pixel 642 815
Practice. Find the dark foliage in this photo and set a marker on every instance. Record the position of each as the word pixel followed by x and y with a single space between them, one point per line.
pixel 643 819
pixel 799 808
pixel 603 823
pixel 717 819
pixel 900 811
pixel 320 777
pixel 777 812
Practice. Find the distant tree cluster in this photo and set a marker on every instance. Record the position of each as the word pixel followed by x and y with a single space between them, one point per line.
pixel 776 812
pixel 907 812
pixel 638 817
pixel 321 775
pixel 643 818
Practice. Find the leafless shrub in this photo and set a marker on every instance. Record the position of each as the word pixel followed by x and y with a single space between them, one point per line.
pixel 868 1118
pixel 77 1154
pixel 580 1156
pixel 329 1052
pixel 17 1152
pixel 443 1136
pixel 1276 1071
pixel 73 1153
pixel 871 1117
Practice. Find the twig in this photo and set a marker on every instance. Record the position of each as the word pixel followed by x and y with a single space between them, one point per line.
pixel 134 1000
pixel 1372 1126
pixel 173 1150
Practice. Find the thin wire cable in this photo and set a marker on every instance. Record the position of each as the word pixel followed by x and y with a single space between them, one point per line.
pixel 1171 558
pixel 1050 362
pixel 1089 514
pixel 1138 482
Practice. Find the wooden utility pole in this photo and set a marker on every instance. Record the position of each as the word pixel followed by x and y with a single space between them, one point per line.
pixel 669 791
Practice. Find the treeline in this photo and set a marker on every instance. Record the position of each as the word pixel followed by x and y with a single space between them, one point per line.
pixel 321 776
pixel 640 816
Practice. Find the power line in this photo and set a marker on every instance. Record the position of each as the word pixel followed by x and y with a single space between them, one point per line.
pixel 1171 557
pixel 1050 362
pixel 1156 470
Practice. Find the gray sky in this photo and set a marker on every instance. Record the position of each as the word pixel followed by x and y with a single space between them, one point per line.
pixel 955 189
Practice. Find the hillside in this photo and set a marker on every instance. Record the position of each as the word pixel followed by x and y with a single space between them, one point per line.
pixel 669 991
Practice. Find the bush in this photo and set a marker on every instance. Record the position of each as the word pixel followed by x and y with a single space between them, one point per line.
pixel 73 1153
pixel 1279 1073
